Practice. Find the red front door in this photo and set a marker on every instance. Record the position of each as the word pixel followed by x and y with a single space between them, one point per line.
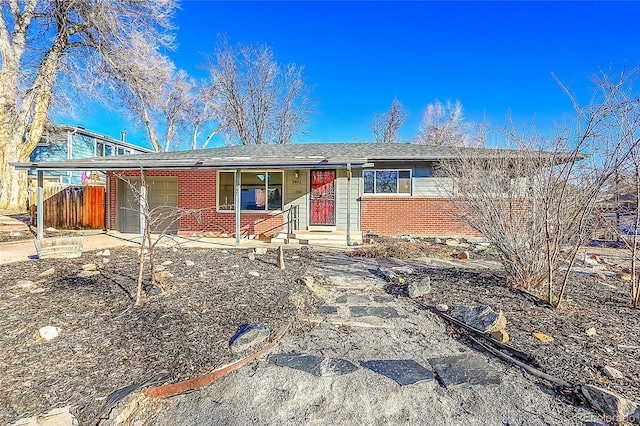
pixel 323 197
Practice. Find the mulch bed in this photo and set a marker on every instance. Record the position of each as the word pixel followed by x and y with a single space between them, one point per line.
pixel 573 355
pixel 107 343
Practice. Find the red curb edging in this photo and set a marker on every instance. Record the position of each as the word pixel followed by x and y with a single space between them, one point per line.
pixel 198 382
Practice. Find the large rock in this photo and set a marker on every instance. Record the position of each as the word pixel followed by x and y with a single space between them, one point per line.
pixel 90 267
pixel 614 406
pixel 247 336
pixel 481 318
pixel 88 274
pixel 419 288
pixel 49 332
pixel 48 272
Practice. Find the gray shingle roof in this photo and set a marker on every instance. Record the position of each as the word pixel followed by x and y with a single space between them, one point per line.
pixel 254 156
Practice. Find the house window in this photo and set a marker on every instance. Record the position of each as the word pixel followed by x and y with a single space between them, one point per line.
pixel 225 190
pixel 259 191
pixel 387 181
pixel 99 149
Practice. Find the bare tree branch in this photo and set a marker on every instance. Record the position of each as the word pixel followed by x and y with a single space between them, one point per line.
pixel 385 127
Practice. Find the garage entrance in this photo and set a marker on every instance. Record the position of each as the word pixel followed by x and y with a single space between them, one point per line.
pixel 162 196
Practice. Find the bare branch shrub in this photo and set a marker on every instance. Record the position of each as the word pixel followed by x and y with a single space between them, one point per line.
pixel 158 220
pixel 538 203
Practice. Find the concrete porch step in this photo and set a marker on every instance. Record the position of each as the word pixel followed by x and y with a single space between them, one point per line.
pixel 316 237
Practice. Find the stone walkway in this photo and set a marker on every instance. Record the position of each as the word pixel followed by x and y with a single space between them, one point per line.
pixel 366 357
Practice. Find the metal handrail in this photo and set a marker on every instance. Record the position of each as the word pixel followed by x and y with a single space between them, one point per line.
pixel 293 220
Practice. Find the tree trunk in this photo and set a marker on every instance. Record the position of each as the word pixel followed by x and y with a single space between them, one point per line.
pixel 13 183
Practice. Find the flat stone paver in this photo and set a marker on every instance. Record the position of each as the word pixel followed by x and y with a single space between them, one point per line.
pixel 464 370
pixel 353 299
pixel 312 364
pixel 385 312
pixel 403 371
pixel 328 309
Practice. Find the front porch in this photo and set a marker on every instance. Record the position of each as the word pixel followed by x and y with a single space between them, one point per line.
pixel 318 238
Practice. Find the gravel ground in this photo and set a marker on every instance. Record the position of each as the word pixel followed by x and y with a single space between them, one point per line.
pixel 106 343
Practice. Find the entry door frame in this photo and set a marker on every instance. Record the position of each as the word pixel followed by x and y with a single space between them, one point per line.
pixel 321 198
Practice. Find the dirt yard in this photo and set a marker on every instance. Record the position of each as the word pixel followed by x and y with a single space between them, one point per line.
pixel 106 343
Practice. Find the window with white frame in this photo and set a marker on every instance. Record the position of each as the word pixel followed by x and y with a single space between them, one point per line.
pixel 259 190
pixel 387 181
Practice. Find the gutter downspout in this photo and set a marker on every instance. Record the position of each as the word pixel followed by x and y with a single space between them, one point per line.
pixel 349 242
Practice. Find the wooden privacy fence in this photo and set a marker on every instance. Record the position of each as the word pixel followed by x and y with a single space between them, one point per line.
pixel 74 207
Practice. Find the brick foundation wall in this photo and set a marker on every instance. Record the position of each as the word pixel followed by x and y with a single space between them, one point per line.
pixel 427 217
pixel 197 190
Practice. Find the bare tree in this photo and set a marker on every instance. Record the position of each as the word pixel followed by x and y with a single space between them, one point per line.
pixel 538 204
pixel 385 127
pixel 43 45
pixel 259 101
pixel 157 220
pixel 444 125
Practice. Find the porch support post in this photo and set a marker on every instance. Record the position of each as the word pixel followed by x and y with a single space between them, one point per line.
pixel 349 242
pixel 40 205
pixel 237 207
pixel 143 205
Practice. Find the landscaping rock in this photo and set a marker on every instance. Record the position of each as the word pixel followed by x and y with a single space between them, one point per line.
pixel 612 373
pixel 14 234
pixel 189 263
pixel 49 332
pixel 481 318
pixel 390 276
pixel 105 261
pixel 251 256
pixel 501 336
pixel 404 371
pixel 374 311
pixel 25 284
pixel 166 263
pixel 260 250
pixel 624 276
pixel 247 336
pixel 90 267
pixel 353 299
pixel 88 274
pixel 590 332
pixel 312 364
pixel 38 290
pixel 464 370
pixel 614 406
pixel 543 337
pixel 106 253
pixel 463 255
pixel 48 272
pixel 442 307
pixel 254 274
pixel 420 288
pixel 159 268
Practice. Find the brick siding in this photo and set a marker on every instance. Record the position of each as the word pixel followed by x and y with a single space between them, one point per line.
pixel 197 190
pixel 417 216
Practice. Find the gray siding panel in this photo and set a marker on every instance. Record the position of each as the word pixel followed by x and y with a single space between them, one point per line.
pixel 341 204
pixel 296 193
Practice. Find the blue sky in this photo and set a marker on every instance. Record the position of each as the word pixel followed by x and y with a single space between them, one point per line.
pixel 494 57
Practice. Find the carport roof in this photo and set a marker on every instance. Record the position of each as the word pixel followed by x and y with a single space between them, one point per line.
pixel 265 156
